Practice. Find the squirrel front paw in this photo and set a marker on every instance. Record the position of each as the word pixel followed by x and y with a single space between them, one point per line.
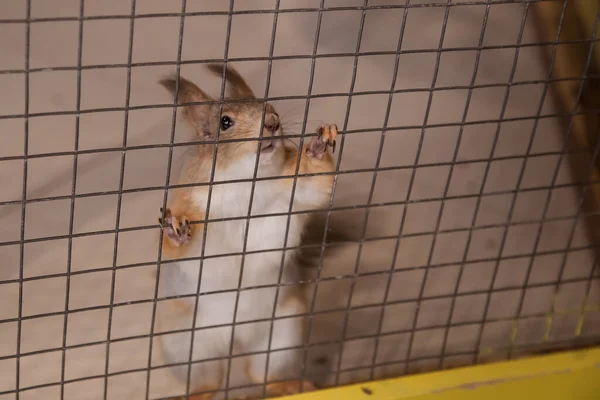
pixel 318 145
pixel 177 229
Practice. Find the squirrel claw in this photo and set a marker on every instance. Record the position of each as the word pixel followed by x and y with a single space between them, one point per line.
pixel 176 229
pixel 326 138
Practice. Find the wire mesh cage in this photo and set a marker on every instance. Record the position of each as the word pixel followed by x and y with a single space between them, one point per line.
pixel 460 229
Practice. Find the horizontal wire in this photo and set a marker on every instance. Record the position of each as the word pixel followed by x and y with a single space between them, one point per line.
pixel 338 208
pixel 568 343
pixel 299 175
pixel 291 136
pixel 321 280
pixel 340 172
pixel 304 57
pixel 258 11
pixel 321 95
pixel 301 247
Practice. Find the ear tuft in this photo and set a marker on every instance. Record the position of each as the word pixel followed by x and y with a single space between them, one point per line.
pixel 215 68
pixel 189 93
pixel 237 88
pixel 169 84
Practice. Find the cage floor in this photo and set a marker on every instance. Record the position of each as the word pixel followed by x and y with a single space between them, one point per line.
pixel 454 268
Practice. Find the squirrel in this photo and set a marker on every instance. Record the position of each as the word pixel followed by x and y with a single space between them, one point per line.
pixel 183 230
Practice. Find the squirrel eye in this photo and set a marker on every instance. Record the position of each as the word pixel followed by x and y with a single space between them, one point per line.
pixel 226 122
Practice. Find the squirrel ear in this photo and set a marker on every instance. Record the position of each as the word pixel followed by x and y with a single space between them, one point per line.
pixel 195 114
pixel 237 86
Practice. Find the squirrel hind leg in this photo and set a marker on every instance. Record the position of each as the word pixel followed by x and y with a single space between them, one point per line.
pixel 207 392
pixel 284 372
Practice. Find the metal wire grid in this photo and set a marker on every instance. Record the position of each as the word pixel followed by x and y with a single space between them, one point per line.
pixel 427 267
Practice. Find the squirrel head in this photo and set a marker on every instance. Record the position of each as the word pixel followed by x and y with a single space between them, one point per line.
pixel 235 123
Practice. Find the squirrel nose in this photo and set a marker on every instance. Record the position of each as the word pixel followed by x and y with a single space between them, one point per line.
pixel 272 127
pixel 272 123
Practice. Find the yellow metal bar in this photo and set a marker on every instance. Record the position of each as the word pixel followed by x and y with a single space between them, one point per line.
pixel 573 375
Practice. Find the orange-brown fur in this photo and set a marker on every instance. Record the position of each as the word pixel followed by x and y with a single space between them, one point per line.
pixel 206 393
pixel 184 204
pixel 308 165
pixel 182 207
pixel 280 388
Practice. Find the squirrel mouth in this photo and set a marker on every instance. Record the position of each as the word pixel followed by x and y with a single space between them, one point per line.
pixel 268 146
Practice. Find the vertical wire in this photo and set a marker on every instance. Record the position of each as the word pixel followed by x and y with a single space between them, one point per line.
pixel 596 259
pixel 292 194
pixel 209 195
pixel 165 194
pixel 309 323
pixel 412 179
pixel 370 198
pixel 454 159
pixel 24 198
pixel 251 200
pixel 590 277
pixel 341 147
pixel 267 87
pixel 438 222
pixel 520 179
pixel 73 191
pixel 549 197
pixel 584 309
pixel 345 128
pixel 488 166
pixel 119 197
pixel 379 155
pixel 579 212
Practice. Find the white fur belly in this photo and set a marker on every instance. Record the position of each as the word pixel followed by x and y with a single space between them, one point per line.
pixel 221 272
pixel 231 287
pixel 219 298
